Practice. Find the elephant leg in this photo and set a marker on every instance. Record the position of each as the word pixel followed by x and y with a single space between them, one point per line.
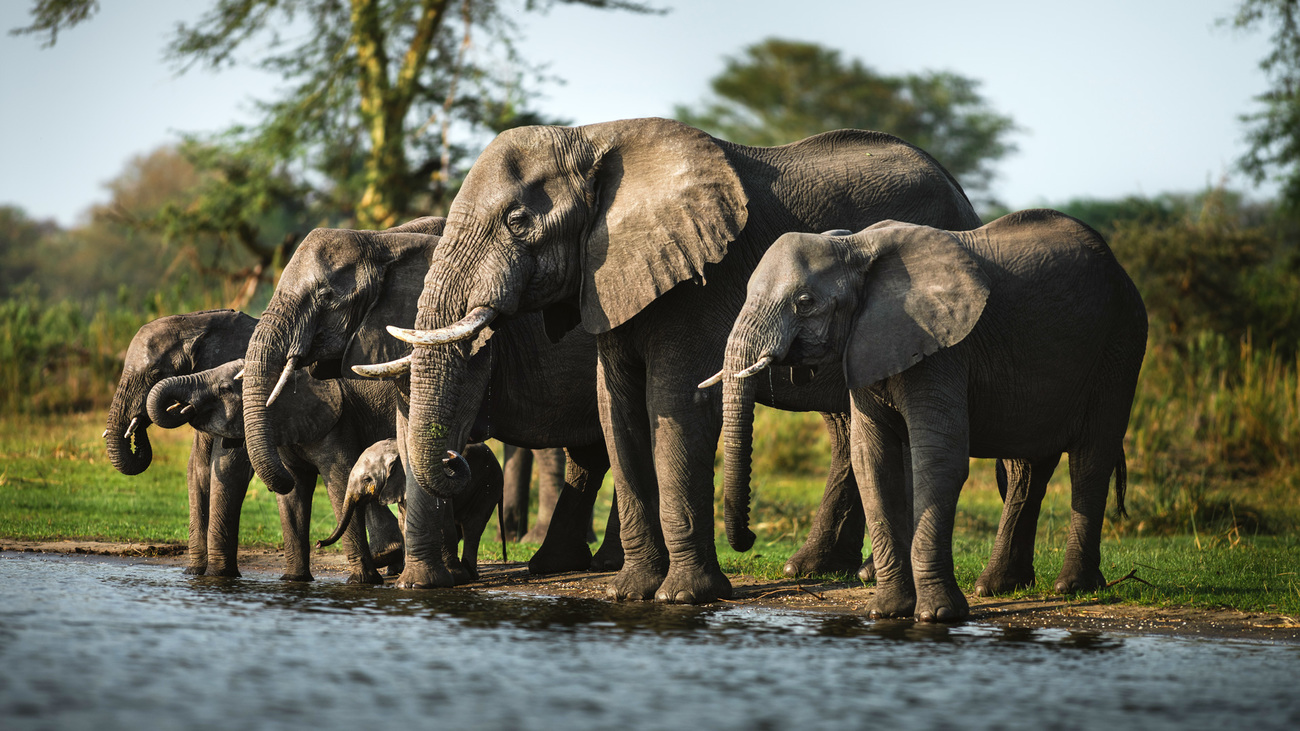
pixel 621 396
pixel 565 546
pixel 198 477
pixel 879 454
pixel 1090 468
pixel 423 518
pixel 1023 484
pixel 385 536
pixel 295 523
pixel 472 522
pixel 551 478
pixel 834 544
pixel 609 557
pixel 231 473
pixel 518 472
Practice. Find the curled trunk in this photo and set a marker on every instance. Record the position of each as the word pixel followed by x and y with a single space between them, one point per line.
pixel 164 398
pixel 129 405
pixel 350 504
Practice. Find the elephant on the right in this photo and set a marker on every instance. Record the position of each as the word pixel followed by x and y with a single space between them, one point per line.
pixel 1022 339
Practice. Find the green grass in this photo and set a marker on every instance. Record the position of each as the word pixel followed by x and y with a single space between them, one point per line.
pixel 56 483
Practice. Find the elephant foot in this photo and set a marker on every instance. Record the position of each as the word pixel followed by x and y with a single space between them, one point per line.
pixel 197 569
pixel 230 572
pixel 892 600
pixel 941 602
pixel 365 577
pixel 867 571
pixel 1004 580
pixel 635 583
pixel 609 557
pixel 810 559
pixel 419 575
pixel 297 577
pixel 1074 579
pixel 694 586
pixel 395 568
pixel 556 557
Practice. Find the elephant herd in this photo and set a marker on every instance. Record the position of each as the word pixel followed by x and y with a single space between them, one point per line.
pixel 590 289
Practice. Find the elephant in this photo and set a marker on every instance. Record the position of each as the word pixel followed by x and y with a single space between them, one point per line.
pixel 328 311
pixel 322 427
pixel 379 478
pixel 645 232
pixel 217 475
pixel 1022 338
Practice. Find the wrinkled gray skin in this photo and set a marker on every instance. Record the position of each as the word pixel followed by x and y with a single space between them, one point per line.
pixel 623 228
pixel 217 475
pixel 1020 339
pixel 329 310
pixel 322 428
pixel 378 478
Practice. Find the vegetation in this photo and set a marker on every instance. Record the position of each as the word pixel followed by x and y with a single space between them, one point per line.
pixel 780 91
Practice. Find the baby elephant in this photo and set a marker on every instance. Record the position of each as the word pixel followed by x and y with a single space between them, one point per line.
pixel 1021 339
pixel 379 478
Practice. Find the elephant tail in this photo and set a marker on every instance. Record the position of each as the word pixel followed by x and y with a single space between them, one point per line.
pixel 1121 485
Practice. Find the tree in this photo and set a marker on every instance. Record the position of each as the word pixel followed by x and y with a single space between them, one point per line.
pixel 1273 133
pixel 780 91
pixel 378 93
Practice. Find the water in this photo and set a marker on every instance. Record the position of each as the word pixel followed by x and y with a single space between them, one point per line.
pixel 105 644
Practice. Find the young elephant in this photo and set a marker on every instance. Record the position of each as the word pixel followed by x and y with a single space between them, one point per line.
pixel 378 478
pixel 1019 339
pixel 218 474
pixel 323 426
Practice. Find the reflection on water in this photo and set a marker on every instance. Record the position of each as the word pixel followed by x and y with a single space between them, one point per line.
pixel 107 644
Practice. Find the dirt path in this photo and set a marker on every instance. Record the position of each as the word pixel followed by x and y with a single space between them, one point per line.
pixel 834 597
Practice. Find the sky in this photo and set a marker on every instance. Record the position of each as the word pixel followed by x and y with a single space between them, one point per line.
pixel 1112 97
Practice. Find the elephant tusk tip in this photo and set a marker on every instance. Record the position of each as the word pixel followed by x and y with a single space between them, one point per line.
pixel 712 380
pixel 174 406
pixel 240 375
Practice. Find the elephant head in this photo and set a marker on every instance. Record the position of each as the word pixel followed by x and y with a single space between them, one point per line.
pixel 878 301
pixel 328 311
pixel 212 401
pixel 587 224
pixel 377 476
pixel 169 346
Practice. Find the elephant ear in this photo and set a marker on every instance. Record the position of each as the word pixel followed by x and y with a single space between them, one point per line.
pixel 667 201
pixel 307 409
pixel 922 292
pixel 398 295
pixel 423 225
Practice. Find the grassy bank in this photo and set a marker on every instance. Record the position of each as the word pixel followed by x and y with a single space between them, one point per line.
pixel 56 483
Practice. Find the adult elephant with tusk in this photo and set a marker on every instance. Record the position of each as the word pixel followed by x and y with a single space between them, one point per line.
pixel 328 312
pixel 645 233
pixel 217 475
pixel 1023 338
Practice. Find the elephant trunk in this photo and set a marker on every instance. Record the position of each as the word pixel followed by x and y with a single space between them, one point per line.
pixel 350 504
pixel 434 436
pixel 738 442
pixel 264 364
pixel 167 405
pixel 127 421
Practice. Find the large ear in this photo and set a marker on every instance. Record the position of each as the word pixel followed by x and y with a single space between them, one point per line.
pixel 667 201
pixel 399 296
pixel 423 225
pixel 923 291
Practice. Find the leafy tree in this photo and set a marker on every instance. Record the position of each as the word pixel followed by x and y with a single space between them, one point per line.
pixel 383 100
pixel 780 91
pixel 1273 133
pixel 19 238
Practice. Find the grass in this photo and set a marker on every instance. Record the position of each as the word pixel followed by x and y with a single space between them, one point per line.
pixel 56 483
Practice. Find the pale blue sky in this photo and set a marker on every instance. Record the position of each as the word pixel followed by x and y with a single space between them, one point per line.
pixel 1114 96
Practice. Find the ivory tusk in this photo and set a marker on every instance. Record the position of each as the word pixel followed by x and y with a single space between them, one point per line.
pixel 762 363
pixel 289 367
pixel 468 327
pixel 104 435
pixel 391 369
pixel 189 408
pixel 130 429
pixel 712 380
pixel 240 375
pixel 174 406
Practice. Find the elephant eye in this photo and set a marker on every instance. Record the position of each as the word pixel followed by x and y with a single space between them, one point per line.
pixel 519 221
pixel 804 303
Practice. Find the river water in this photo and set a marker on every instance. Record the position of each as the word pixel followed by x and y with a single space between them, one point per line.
pixel 110 644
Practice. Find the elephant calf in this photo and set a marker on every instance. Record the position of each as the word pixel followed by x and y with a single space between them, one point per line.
pixel 1021 339
pixel 379 478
